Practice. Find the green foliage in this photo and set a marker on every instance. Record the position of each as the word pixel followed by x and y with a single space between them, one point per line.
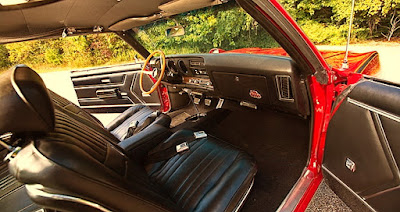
pixel 325 34
pixel 370 16
pixel 73 52
pixel 226 27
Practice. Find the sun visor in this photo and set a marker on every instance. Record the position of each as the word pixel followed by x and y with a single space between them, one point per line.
pixel 130 23
pixel 180 6
pixel 167 9
pixel 25 103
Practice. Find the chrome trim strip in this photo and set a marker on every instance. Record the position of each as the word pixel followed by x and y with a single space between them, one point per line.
pixel 34 190
pixel 244 197
pixel 387 146
pixel 374 109
pixel 95 71
pixel 292 199
pixel 122 105
pixel 117 84
pixel 98 99
pixel 348 188
pixel 382 192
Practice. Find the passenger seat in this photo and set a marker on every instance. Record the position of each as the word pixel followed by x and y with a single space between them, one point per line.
pixel 128 123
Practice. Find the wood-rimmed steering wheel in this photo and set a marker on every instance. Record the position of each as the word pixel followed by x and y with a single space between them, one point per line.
pixel 161 75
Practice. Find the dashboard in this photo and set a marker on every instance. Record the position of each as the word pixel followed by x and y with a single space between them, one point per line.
pixel 186 71
pixel 260 80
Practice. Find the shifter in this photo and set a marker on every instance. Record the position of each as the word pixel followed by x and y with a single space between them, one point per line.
pixel 195 100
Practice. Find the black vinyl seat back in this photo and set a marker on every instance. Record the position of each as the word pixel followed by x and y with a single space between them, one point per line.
pixel 68 105
pixel 25 103
pixel 69 156
pixel 362 150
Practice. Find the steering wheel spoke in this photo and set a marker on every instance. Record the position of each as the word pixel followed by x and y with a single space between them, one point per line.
pixel 144 71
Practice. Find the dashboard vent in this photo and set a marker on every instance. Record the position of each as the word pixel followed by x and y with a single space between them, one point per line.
pixel 284 84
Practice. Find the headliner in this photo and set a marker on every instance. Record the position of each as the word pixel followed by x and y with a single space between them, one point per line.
pixel 49 20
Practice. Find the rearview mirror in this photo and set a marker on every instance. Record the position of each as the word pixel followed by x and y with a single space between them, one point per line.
pixel 175 31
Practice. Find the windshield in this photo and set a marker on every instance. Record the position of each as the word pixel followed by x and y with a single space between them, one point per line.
pixel 226 26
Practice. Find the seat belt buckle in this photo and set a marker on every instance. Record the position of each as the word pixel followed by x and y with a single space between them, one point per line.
pixel 200 134
pixel 182 147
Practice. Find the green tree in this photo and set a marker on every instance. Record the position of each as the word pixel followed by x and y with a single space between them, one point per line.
pixel 333 15
pixel 225 26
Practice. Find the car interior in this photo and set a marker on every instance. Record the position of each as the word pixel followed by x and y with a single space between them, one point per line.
pixel 236 136
pixel 222 132
pixel 241 132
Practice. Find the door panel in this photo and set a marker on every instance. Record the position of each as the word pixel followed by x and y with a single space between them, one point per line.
pixel 362 150
pixel 112 89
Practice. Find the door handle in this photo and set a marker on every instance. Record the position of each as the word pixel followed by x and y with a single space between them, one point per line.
pixel 113 93
pixel 106 80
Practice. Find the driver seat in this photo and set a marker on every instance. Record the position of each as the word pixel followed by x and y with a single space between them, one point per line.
pixel 70 163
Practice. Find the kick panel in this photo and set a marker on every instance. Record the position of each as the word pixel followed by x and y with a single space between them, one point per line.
pixel 362 150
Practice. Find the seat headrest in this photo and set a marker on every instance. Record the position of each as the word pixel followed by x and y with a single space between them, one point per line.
pixel 25 104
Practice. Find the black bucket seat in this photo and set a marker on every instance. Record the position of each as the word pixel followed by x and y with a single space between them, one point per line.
pixel 70 163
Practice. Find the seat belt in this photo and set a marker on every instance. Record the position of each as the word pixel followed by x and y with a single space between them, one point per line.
pixel 173 147
pixel 134 128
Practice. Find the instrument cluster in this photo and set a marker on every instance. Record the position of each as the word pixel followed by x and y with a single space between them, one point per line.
pixel 187 70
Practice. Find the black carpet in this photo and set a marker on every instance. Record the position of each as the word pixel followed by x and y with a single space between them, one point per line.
pixel 279 143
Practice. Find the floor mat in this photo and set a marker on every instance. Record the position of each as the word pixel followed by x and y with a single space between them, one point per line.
pixel 279 143
pixel 179 119
pixel 326 200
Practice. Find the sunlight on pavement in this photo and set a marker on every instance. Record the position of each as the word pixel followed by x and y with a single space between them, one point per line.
pixel 60 83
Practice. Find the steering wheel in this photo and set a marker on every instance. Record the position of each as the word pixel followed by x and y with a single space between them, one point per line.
pixel 157 83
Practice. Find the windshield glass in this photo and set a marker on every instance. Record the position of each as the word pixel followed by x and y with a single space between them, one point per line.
pixel 226 26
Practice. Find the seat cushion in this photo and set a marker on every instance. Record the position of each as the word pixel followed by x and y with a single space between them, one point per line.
pixel 211 176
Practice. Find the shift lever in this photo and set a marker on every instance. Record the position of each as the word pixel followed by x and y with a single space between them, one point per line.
pixel 190 93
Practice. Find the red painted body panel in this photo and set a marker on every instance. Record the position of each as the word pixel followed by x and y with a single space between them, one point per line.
pixel 163 96
pixel 322 97
pixel 365 63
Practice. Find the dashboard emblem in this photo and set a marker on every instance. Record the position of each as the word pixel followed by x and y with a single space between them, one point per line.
pixel 255 94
